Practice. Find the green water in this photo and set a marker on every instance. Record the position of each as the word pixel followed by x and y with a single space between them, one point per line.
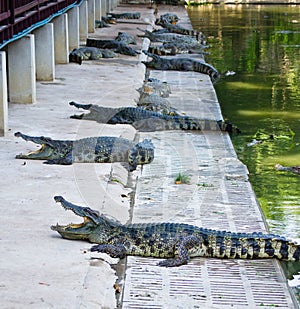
pixel 261 45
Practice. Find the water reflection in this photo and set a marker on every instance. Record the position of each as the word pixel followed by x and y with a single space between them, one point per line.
pixel 262 98
pixel 260 45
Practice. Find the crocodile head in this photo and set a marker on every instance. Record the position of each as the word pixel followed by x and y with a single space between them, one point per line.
pixel 95 227
pixel 75 56
pixel 50 149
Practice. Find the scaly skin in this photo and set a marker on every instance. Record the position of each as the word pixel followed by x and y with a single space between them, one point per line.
pixel 166 22
pixel 90 150
pixel 181 64
pixel 169 17
pixel 155 103
pixel 172 49
pixel 94 53
pixel 125 38
pixel 153 85
pixel 153 95
pixel 77 55
pixel 105 22
pixel 147 121
pixel 176 242
pixel 126 15
pixel 114 45
pixel 168 37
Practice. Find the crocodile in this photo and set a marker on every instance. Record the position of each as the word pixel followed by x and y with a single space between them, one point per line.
pixel 90 53
pixel 125 38
pixel 147 121
pixel 104 149
pixel 175 242
pixel 153 95
pixel 294 169
pixel 181 64
pixel 153 85
pixel 156 103
pixel 101 24
pixel 171 38
pixel 170 18
pixel 172 49
pixel 126 15
pixel 117 46
pixel 164 21
pixel 104 22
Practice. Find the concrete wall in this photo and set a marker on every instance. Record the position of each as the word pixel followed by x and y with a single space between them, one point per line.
pixel 3 95
pixel 33 57
pixel 73 28
pixel 61 39
pixel 21 67
pixel 44 53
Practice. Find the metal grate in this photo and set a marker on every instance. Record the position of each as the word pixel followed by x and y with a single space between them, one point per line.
pixel 204 283
pixel 219 197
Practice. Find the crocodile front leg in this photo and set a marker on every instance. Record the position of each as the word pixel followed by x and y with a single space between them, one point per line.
pixel 182 248
pixel 115 251
pixel 66 160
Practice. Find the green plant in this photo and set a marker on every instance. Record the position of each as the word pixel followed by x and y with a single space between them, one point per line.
pixel 182 178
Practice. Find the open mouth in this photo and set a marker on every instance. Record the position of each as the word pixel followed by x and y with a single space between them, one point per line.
pixel 76 230
pixel 38 151
pixel 43 152
pixel 72 226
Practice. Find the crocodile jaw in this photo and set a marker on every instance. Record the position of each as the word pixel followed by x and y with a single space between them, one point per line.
pixel 43 153
pixel 79 231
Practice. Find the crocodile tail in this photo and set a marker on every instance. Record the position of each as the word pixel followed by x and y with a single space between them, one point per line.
pixel 250 246
pixel 92 43
pixel 277 247
pixel 228 127
pixel 289 251
pixel 196 34
pixel 158 50
pixel 208 69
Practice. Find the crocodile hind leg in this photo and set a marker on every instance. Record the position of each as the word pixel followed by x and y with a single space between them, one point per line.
pixel 115 251
pixel 182 248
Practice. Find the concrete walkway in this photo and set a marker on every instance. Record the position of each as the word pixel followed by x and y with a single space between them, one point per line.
pixel 39 269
